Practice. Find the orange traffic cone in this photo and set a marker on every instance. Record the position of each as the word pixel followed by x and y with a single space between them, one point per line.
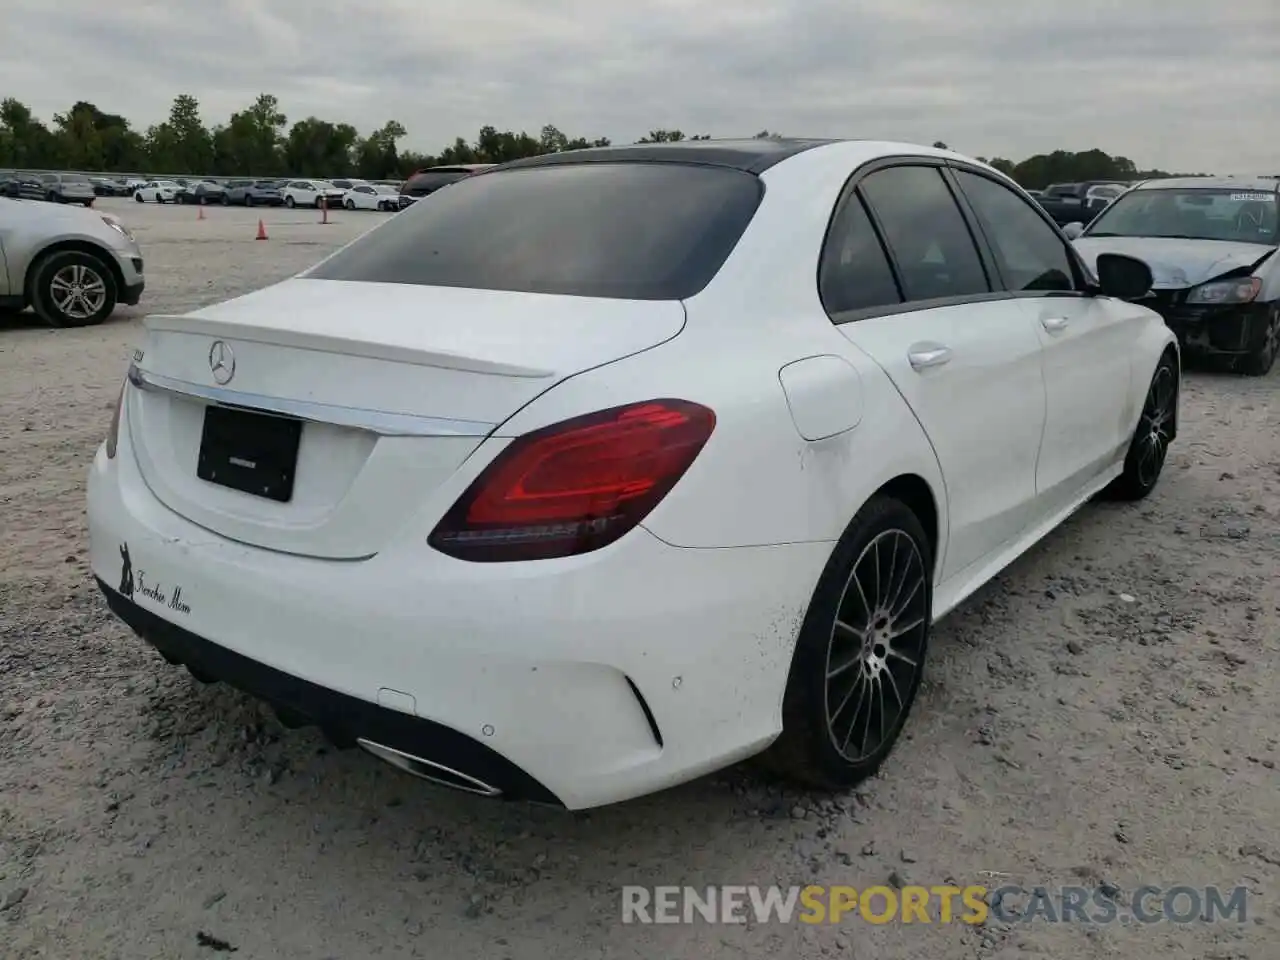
pixel 201 214
pixel 262 230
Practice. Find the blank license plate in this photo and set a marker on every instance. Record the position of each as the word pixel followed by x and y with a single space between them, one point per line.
pixel 252 452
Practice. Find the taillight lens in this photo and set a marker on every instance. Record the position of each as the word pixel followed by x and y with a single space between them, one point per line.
pixel 113 432
pixel 577 485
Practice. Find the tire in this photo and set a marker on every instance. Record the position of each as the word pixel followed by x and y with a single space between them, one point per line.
pixel 870 614
pixel 350 204
pixel 317 203
pixel 289 202
pixel 1262 358
pixel 138 197
pixel 58 271
pixel 226 201
pixel 52 197
pixel 248 200
pixel 1149 446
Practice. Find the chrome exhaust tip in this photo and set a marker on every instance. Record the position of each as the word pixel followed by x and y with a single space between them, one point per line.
pixel 428 769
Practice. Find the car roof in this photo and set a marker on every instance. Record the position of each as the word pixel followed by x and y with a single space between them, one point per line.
pixel 754 155
pixel 1252 184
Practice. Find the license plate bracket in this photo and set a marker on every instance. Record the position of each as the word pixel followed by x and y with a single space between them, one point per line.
pixel 253 452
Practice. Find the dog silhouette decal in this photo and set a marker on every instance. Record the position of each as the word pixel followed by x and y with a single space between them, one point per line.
pixel 126 572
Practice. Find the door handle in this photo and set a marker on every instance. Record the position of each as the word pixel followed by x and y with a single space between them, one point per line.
pixel 928 355
pixel 1055 324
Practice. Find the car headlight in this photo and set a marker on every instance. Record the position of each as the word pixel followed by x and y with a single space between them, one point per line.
pixel 1226 291
pixel 117 226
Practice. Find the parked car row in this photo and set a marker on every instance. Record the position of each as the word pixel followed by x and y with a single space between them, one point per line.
pixel 54 187
pixel 351 195
pixel 347 192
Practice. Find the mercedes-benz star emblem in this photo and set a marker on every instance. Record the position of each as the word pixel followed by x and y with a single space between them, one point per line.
pixel 222 362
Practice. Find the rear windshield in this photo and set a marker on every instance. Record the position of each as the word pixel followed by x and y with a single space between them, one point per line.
pixel 631 231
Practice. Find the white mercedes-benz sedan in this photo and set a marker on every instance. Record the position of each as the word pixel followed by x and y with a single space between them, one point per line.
pixel 606 469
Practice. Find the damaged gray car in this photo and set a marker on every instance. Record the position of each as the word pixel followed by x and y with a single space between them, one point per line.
pixel 1211 245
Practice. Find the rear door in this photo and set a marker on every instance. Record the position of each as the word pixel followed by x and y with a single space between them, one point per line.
pixel 904 279
pixel 1088 341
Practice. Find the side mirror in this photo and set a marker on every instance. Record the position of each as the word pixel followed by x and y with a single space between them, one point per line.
pixel 1073 229
pixel 1125 278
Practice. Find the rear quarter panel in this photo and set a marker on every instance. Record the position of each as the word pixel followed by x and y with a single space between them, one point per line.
pixel 758 481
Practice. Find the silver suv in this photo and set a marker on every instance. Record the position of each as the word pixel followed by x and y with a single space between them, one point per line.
pixel 71 266
pixel 68 188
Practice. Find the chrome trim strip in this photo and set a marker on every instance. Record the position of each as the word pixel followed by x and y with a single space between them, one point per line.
pixel 421 768
pixel 381 422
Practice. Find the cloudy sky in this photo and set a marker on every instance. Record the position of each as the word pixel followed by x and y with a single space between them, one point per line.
pixel 1187 85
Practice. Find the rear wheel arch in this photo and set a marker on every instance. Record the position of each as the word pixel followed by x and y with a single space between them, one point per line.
pixel 802 752
pixel 914 492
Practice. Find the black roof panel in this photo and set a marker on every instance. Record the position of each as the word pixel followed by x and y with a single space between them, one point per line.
pixel 751 155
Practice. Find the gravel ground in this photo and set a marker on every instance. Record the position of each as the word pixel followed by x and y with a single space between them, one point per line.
pixel 1104 713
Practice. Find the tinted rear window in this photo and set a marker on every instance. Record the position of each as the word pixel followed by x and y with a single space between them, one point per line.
pixel 633 231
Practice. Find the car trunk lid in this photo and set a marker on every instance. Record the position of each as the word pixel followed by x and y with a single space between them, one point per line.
pixel 395 386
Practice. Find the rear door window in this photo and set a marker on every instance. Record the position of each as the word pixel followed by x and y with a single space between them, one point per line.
pixel 926 234
pixel 626 230
pixel 855 272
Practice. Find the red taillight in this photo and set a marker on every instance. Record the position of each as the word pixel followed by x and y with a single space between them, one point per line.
pixel 113 432
pixel 575 486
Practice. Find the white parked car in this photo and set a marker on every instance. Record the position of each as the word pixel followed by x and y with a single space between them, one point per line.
pixel 157 191
pixel 537 507
pixel 372 196
pixel 310 193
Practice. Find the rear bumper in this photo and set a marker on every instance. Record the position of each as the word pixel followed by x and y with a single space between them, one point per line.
pixel 1219 331
pixel 345 719
pixel 589 680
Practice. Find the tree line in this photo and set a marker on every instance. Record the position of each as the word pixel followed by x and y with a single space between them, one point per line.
pixel 259 142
